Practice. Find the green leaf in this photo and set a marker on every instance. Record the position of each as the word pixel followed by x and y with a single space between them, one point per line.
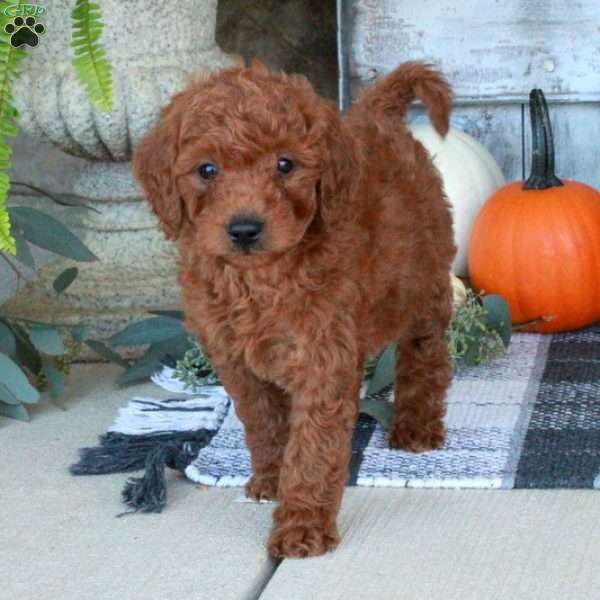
pixel 47 340
pixel 105 352
pixel 148 331
pixel 7 396
pixel 152 359
pixel 92 67
pixel 474 338
pixel 173 314
pixel 56 379
pixel 140 371
pixel 7 241
pixel 46 232
pixel 26 352
pixel 23 254
pixel 381 411
pixel 497 316
pixel 8 344
pixel 14 411
pixel 65 279
pixel 79 333
pixel 384 371
pixel 10 59
pixel 62 199
pixel 16 381
pixel 174 347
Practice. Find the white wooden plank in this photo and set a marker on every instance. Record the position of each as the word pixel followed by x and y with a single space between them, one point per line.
pixel 450 544
pixel 490 50
pixel 576 130
pixel 499 129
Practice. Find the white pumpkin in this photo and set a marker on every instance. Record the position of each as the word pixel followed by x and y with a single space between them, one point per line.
pixel 470 176
pixel 459 291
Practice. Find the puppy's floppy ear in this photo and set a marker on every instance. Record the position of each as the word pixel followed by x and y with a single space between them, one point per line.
pixel 152 166
pixel 339 166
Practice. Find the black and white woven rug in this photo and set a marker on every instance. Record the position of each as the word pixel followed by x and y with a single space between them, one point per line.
pixel 529 420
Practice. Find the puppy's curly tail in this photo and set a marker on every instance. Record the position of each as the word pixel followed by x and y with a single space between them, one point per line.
pixel 391 96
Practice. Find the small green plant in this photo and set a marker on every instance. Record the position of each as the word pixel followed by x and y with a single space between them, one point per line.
pixel 10 59
pixel 33 355
pixel 194 369
pixel 92 69
pixel 163 337
pixel 90 62
pixel 480 331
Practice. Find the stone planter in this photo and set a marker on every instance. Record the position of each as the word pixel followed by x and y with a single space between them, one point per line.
pixel 152 46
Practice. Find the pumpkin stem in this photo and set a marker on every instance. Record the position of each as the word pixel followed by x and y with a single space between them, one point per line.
pixel 542 157
pixel 550 175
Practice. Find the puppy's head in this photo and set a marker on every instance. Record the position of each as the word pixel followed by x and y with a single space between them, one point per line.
pixel 249 163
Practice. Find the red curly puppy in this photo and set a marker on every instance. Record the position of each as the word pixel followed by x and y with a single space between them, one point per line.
pixel 308 242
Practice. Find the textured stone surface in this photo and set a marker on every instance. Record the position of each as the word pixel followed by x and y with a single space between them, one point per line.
pixel 293 35
pixel 152 50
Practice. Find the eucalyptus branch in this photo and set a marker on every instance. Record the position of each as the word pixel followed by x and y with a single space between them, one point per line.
pixel 17 272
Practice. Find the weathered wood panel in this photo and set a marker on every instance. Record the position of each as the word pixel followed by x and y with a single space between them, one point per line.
pixel 498 128
pixel 576 131
pixel 492 51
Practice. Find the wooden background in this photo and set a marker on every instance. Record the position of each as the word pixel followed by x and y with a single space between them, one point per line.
pixel 493 52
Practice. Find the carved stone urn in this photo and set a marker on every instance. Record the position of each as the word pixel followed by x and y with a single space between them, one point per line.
pixel 152 46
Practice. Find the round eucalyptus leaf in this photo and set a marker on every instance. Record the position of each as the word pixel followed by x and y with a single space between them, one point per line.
pixel 16 381
pixel 47 340
pixel 384 371
pixel 65 279
pixel 7 396
pixel 148 331
pixel 56 379
pixel 14 411
pixel 46 232
pixel 23 255
pixel 497 316
pixel 8 344
pixel 105 352
pixel 382 412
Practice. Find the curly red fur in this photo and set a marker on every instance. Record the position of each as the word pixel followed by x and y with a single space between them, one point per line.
pixel 354 254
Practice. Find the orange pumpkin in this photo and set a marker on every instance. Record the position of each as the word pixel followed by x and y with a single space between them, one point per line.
pixel 537 243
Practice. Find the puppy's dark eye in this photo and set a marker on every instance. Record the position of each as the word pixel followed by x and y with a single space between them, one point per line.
pixel 284 165
pixel 208 171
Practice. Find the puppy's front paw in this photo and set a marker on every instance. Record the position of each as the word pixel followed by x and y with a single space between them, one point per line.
pixel 301 541
pixel 262 488
pixel 421 439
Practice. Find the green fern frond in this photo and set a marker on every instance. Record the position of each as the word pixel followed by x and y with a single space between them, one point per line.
pixel 92 67
pixel 9 70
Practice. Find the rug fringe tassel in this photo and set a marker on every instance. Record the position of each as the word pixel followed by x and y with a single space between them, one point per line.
pixel 149 492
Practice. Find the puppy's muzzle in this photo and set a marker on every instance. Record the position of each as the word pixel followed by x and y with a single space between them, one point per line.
pixel 245 232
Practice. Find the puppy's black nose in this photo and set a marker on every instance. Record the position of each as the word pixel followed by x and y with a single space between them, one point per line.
pixel 244 232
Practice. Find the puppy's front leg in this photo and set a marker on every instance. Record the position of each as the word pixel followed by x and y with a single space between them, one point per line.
pixel 263 408
pixel 315 464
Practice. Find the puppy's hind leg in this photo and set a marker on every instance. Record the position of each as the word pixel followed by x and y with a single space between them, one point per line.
pixel 423 374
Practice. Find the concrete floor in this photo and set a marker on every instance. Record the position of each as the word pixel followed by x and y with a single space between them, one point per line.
pixel 59 537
